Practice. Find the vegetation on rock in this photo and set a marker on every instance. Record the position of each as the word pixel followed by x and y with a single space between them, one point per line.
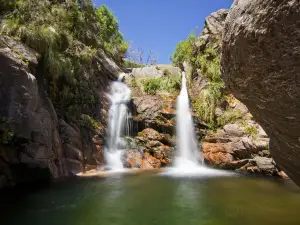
pixel 69 36
pixel 204 60
pixel 170 83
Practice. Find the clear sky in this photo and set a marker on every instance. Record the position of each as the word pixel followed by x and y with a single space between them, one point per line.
pixel 158 25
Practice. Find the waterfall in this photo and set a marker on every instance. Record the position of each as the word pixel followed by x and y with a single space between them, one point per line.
pixel 187 148
pixel 188 162
pixel 118 124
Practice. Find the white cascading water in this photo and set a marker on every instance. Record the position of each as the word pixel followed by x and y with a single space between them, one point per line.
pixel 117 123
pixel 188 162
pixel 187 149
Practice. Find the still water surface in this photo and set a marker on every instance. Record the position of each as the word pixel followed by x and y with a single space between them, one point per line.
pixel 142 199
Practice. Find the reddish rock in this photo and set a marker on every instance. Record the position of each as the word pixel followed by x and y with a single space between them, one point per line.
pixel 150 162
pixel 133 159
pixel 216 154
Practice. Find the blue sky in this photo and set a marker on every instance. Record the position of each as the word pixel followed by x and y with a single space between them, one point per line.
pixel 158 25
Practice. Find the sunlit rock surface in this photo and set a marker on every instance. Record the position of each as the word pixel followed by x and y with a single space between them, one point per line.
pixel 260 65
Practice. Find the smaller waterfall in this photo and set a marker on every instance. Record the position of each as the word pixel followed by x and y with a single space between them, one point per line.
pixel 188 154
pixel 118 124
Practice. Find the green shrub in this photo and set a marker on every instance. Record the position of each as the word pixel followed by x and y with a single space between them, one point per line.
pixel 184 51
pixel 169 83
pixel 166 72
pixel 208 100
pixel 111 38
pixel 89 122
pixel 229 116
pixel 251 131
pixel 151 85
pixel 133 82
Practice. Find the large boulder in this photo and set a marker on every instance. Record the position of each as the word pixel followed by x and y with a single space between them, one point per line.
pixel 260 65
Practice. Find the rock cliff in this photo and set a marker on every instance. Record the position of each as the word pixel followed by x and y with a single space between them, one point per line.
pixel 36 144
pixel 260 65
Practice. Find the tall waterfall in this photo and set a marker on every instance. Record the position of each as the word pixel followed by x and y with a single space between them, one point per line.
pixel 188 162
pixel 117 124
pixel 187 148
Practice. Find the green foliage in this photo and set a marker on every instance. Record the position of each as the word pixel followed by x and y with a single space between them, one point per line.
pixel 169 83
pixel 89 122
pixel 133 83
pixel 208 100
pixel 151 85
pixel 67 35
pixel 229 116
pixel 207 61
pixel 251 131
pixel 184 51
pixel 111 38
pixel 166 72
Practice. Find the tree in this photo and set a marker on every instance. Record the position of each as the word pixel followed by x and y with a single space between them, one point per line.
pixel 184 51
pixel 137 55
pixel 111 39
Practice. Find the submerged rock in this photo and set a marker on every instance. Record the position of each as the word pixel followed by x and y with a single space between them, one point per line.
pixel 260 66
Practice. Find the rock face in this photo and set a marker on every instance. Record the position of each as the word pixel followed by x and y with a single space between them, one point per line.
pixel 30 116
pixel 214 23
pixel 260 65
pixel 36 144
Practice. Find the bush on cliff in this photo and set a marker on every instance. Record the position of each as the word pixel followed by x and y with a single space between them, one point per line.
pixel 68 35
pixel 170 83
pixel 206 61
pixel 184 52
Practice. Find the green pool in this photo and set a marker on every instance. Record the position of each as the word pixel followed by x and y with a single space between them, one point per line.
pixel 147 198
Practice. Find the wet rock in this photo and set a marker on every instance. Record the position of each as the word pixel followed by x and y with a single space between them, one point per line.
pixel 260 67
pixel 150 162
pixel 133 159
pixel 144 160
